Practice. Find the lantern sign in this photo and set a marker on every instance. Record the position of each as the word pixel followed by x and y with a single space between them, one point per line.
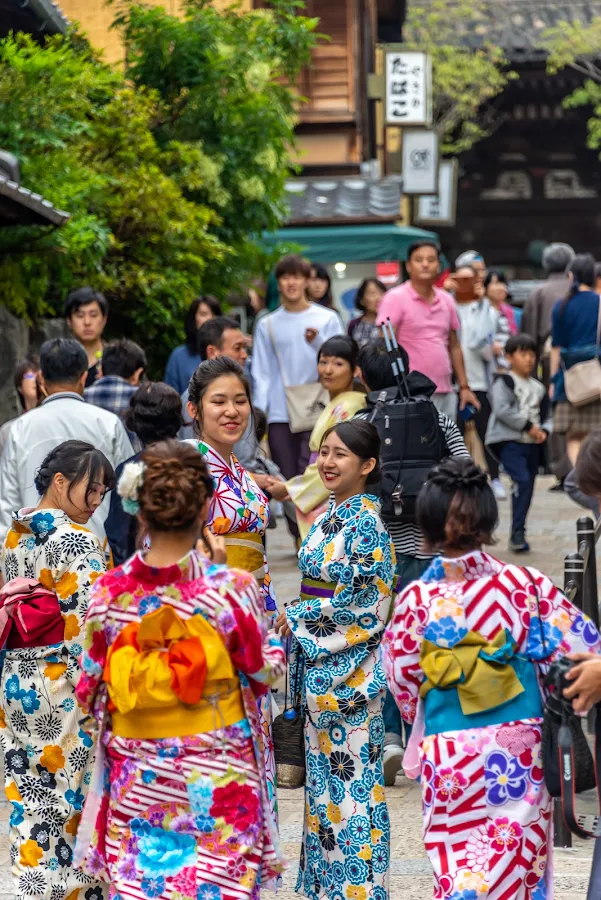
pixel 408 88
pixel 420 161
pixel 441 209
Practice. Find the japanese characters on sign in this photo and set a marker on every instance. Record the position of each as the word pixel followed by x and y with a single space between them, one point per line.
pixel 440 209
pixel 408 95
pixel 420 161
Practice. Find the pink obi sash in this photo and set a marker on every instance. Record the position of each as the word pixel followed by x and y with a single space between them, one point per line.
pixel 30 615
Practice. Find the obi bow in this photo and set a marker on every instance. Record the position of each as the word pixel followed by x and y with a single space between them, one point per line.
pixel 163 660
pixel 478 668
pixel 30 615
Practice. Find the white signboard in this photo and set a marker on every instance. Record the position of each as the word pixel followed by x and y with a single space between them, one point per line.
pixel 408 94
pixel 420 161
pixel 441 209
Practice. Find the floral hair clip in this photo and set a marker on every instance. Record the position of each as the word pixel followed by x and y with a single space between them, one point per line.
pixel 129 486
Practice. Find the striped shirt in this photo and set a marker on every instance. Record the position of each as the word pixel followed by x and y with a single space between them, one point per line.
pixel 407 538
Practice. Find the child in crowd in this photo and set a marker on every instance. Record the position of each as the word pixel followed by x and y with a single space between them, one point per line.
pixel 517 427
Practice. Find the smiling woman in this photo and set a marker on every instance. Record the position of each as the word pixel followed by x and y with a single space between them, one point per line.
pixel 47 754
pixel 219 405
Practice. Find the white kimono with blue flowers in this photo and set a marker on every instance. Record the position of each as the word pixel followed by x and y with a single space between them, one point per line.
pixel 346 839
pixel 47 753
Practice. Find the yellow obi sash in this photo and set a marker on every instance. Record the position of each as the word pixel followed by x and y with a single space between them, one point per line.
pixel 479 669
pixel 179 669
pixel 245 551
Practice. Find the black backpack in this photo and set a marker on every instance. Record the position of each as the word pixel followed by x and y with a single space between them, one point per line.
pixel 412 443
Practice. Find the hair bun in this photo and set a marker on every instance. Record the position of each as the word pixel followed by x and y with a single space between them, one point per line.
pixel 458 474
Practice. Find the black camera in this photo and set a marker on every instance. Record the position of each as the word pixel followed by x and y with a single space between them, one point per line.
pixel 556 682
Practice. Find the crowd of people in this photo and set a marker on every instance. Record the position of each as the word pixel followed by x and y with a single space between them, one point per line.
pixel 141 633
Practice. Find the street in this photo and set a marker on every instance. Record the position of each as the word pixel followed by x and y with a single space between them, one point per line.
pixel 552 534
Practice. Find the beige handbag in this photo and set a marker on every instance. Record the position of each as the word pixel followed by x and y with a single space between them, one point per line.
pixel 583 381
pixel 304 402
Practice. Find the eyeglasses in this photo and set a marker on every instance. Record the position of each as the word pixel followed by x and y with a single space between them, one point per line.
pixel 30 376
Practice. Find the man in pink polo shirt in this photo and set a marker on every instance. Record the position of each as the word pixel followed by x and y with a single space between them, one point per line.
pixel 426 324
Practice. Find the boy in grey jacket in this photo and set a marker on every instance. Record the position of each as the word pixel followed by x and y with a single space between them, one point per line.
pixel 516 429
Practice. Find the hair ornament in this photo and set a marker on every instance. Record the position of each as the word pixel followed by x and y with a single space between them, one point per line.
pixel 129 486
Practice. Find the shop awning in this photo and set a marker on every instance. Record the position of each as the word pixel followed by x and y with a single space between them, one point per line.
pixel 351 243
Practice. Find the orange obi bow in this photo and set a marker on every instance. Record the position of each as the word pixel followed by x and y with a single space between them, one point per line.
pixel 164 660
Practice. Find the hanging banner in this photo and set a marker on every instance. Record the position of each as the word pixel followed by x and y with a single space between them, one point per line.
pixel 408 94
pixel 420 161
pixel 440 210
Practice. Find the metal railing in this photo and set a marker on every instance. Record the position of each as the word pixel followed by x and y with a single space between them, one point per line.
pixel 580 586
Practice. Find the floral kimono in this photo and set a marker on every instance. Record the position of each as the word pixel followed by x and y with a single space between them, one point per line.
pixel 174 660
pixel 347 564
pixel 471 639
pixel 307 491
pixel 239 512
pixel 47 753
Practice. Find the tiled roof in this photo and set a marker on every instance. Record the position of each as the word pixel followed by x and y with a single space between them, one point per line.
pixel 52 17
pixel 19 206
pixel 516 25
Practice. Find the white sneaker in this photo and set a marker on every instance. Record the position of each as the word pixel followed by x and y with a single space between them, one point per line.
pixel 498 489
pixel 393 760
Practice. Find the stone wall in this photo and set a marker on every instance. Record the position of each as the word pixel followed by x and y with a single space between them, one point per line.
pixel 17 341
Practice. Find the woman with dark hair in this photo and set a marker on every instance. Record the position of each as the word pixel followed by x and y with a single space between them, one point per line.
pixel 363 328
pixel 47 751
pixel 154 414
pixel 319 289
pixel 347 568
pixel 336 368
pixel 185 358
pixel 575 338
pixel 497 293
pixel 219 405
pixel 177 652
pixel 465 652
pixel 26 386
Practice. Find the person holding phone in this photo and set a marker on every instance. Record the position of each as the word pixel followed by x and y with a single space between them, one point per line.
pixel 478 325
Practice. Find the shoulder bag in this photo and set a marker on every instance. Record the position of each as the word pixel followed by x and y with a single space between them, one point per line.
pixel 288 728
pixel 583 380
pixel 304 402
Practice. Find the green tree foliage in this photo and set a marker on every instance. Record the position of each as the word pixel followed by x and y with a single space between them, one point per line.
pixel 576 45
pixel 467 70
pixel 168 170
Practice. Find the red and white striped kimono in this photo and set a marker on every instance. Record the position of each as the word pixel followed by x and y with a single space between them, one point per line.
pixel 487 814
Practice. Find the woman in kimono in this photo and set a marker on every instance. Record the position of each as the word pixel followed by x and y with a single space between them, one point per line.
pixel 47 753
pixel 337 368
pixel 176 652
pixel 466 649
pixel 219 404
pixel 347 565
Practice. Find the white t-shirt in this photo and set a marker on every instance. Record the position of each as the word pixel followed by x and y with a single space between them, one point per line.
pixel 297 356
pixel 476 334
pixel 529 393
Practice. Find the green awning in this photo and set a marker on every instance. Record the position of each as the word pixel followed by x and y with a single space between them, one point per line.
pixel 351 243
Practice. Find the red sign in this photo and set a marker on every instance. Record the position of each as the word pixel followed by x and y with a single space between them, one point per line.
pixel 388 272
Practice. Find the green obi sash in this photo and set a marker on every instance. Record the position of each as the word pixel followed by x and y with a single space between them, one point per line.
pixel 477 683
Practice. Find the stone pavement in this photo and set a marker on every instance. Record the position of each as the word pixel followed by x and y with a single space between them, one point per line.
pixel 552 535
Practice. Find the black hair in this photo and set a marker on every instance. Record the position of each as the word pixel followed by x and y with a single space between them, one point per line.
pixel 520 342
pixel 204 376
pixel 123 358
pixel 63 361
pixel 211 333
pixel 362 289
pixel 190 321
pixel 321 272
pixel 155 413
pixel 83 297
pixel 495 276
pixel 260 424
pixel 417 245
pixel 342 346
pixel 77 461
pixel 31 364
pixel 293 264
pixel 582 269
pixel 597 271
pixel 363 440
pixel 456 507
pixel 376 367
